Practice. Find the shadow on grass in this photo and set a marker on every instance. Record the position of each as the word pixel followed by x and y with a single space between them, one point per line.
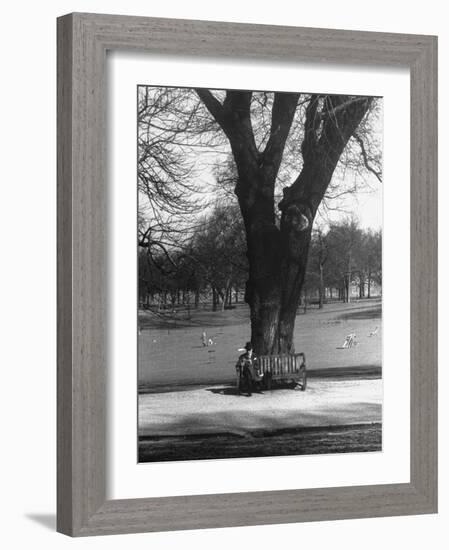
pixel 202 318
pixel 267 443
pixel 371 313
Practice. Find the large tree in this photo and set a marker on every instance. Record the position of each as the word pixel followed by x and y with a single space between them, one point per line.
pixel 277 251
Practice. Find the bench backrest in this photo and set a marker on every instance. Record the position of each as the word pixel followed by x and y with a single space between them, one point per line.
pixel 281 364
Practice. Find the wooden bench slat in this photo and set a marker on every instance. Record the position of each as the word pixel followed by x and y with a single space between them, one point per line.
pixel 282 365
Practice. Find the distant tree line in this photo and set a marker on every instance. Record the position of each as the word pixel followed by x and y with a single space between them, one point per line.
pixel 343 256
pixel 211 268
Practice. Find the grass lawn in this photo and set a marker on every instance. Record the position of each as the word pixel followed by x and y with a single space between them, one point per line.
pixel 170 350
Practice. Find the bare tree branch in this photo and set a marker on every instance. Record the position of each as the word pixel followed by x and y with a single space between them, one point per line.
pixel 366 162
pixel 215 108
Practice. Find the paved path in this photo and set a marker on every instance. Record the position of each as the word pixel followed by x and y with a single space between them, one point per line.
pixel 219 410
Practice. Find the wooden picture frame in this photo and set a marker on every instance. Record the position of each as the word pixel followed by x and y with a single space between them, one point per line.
pixel 83 40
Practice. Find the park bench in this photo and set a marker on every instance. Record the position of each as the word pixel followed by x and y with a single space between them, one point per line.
pixel 283 367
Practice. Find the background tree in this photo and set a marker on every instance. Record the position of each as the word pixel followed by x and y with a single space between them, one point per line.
pixel 345 243
pixel 219 250
pixel 373 259
pixel 171 194
pixel 318 255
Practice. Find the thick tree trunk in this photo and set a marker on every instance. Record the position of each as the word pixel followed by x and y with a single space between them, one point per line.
pixel 277 265
pixel 263 288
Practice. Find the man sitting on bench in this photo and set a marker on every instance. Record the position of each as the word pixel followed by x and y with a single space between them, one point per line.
pixel 247 372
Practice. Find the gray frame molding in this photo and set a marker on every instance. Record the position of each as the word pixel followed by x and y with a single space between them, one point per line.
pixel 83 40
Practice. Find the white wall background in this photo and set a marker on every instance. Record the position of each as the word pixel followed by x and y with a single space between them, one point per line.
pixel 28 239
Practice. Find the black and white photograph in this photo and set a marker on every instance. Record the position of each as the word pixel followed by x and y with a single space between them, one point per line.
pixel 220 301
pixel 259 253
